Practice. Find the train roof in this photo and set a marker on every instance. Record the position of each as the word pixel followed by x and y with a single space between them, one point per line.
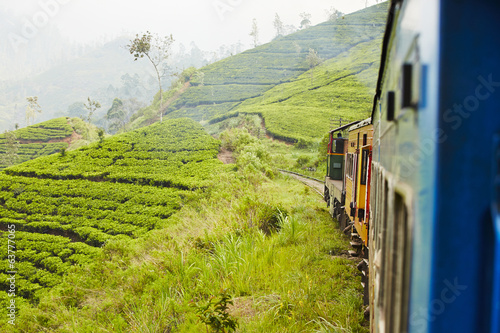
pixel 360 124
pixel 345 126
pixel 384 55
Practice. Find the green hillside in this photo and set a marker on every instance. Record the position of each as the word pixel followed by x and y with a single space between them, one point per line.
pixel 43 139
pixel 275 79
pixel 303 108
pixel 66 206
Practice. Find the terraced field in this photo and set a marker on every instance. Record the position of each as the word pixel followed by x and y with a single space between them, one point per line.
pixel 303 108
pixel 66 206
pixel 42 139
pixel 276 81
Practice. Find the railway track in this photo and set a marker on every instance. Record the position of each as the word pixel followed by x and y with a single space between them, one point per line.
pixel 317 185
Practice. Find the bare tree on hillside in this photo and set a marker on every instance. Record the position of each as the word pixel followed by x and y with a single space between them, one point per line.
pixel 313 60
pixel 157 49
pixel 278 25
pixel 333 14
pixel 305 21
pixel 91 106
pixel 255 33
pixel 32 109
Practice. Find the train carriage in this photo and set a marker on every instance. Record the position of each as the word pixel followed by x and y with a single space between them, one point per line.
pixel 434 198
pixel 357 176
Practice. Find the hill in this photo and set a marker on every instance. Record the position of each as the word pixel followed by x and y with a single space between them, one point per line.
pixel 146 231
pixel 276 81
pixel 65 207
pixel 43 139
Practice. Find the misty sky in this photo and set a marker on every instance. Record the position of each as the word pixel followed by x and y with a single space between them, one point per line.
pixel 209 23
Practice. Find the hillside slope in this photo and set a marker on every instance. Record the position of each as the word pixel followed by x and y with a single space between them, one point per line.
pixel 65 207
pixel 351 48
pixel 304 108
pixel 43 139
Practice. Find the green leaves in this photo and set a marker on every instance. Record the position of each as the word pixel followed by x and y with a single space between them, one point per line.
pixel 140 46
pixel 214 313
pixel 66 207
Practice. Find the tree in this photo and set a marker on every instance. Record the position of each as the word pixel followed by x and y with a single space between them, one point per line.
pixel 92 106
pixel 333 14
pixel 255 33
pixel 157 49
pixel 31 110
pixel 305 21
pixel 76 109
pixel 10 156
pixel 116 116
pixel 278 25
pixel 313 60
pixel 199 76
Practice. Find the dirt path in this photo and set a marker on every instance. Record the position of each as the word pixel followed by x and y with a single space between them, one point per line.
pixel 226 156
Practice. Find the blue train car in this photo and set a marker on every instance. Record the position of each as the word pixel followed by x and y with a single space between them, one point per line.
pixel 434 239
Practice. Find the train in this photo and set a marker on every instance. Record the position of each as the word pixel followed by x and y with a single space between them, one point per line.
pixel 417 185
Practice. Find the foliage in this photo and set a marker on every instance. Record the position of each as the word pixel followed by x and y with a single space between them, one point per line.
pixel 157 49
pixel 10 157
pixel 278 25
pixel 30 142
pixel 215 314
pixel 66 207
pixel 341 87
pixel 46 138
pixel 177 154
pixel 116 116
pixel 305 21
pixel 288 281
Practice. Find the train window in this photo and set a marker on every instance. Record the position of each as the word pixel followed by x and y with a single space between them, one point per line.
pixel 407 85
pixel 391 105
pixel 339 145
pixel 364 166
pixel 385 288
pixel 365 139
pixel 401 264
pixel 349 165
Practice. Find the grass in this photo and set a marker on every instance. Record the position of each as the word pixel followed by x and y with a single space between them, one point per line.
pixel 284 282
pixel 294 279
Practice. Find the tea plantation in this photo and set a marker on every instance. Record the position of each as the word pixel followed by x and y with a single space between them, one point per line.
pixel 37 140
pixel 276 81
pixel 64 207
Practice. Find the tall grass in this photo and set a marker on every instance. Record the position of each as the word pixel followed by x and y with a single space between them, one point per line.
pixel 282 280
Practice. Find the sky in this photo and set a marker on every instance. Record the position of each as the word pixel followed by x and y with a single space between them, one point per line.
pixel 209 23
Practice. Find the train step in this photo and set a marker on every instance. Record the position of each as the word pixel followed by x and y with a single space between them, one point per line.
pixel 353 253
pixel 356 244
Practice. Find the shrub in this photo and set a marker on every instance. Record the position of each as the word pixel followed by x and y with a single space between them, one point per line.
pixel 214 313
pixel 270 218
pixel 302 161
